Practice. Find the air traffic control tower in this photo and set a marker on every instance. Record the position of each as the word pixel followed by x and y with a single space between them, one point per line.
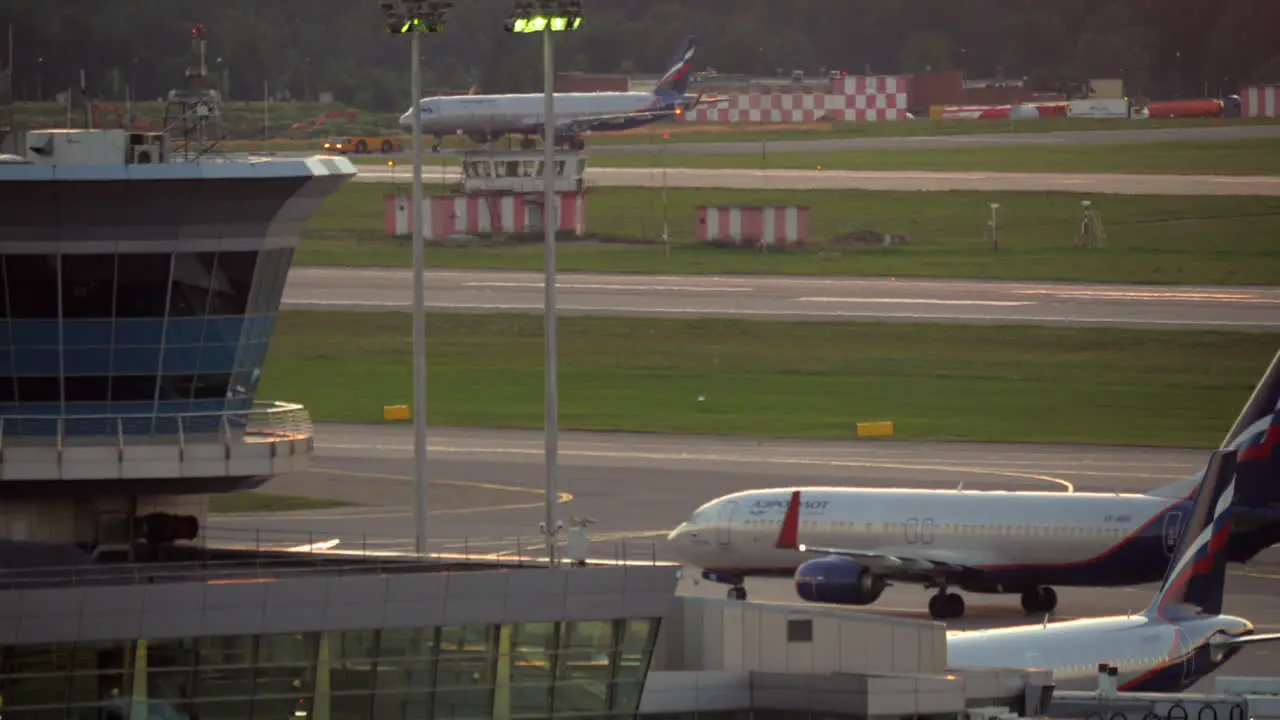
pixel 138 299
pixel 139 293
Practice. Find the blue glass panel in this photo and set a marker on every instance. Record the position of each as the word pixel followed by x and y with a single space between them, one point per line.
pixel 139 425
pixel 218 358
pixel 5 337
pixel 139 332
pixel 6 361
pixel 135 360
pixel 26 423
pixel 259 328
pixel 269 326
pixel 173 407
pixel 165 424
pixel 87 333
pixel 89 426
pixel 35 333
pixel 41 361
pixel 87 408
pixel 223 330
pixel 184 331
pixel 208 406
pixel 182 359
pixel 86 362
pixel 132 408
pixel 240 404
pixel 251 355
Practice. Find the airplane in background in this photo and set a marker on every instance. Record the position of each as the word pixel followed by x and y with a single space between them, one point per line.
pixel 486 118
pixel 1180 638
pixel 977 541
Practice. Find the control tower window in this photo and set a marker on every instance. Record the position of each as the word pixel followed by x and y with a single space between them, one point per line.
pixel 142 285
pixel 232 281
pixel 33 285
pixel 94 388
pixel 88 286
pixel 189 288
pixel 39 389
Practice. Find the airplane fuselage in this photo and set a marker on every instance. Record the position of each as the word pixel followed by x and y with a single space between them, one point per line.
pixel 1015 540
pixel 1151 654
pixel 514 114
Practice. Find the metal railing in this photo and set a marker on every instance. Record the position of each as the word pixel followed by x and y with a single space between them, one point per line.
pixel 247 555
pixel 262 423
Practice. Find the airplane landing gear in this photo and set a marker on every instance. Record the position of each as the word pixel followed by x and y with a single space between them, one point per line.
pixel 527 143
pixel 435 147
pixel 1039 600
pixel 737 592
pixel 946 606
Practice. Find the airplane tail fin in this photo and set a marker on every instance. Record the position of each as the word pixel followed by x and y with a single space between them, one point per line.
pixel 676 79
pixel 789 534
pixel 1252 422
pixel 1196 576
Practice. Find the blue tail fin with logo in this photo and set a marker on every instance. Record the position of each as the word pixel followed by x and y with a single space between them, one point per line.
pixel 1195 579
pixel 676 79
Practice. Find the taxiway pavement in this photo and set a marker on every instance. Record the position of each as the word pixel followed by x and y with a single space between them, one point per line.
pixel 791 297
pixel 486 492
pixel 746 179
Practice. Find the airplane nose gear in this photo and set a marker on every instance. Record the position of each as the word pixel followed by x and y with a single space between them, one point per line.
pixel 946 606
pixel 737 592
pixel 1039 600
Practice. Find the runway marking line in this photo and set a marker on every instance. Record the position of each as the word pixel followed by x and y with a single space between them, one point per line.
pixel 356 514
pixel 1066 484
pixel 916 301
pixel 601 286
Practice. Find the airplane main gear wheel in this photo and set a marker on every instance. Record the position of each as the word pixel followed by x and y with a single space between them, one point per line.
pixel 1040 600
pixel 577 144
pixel 737 592
pixel 946 606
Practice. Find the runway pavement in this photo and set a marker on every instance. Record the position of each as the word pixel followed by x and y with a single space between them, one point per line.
pixel 487 490
pixel 741 179
pixel 790 297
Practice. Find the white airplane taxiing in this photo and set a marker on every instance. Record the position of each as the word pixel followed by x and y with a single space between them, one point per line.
pixel 1181 637
pixel 486 118
pixel 858 540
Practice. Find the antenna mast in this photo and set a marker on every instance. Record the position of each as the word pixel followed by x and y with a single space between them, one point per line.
pixel 193 114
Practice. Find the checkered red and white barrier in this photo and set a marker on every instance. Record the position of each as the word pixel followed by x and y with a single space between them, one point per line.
pixel 451 215
pixel 857 99
pixel 1260 101
pixel 744 225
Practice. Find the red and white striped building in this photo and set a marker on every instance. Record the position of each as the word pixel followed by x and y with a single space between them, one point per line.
pixel 484 214
pixel 853 99
pixel 1260 101
pixel 767 226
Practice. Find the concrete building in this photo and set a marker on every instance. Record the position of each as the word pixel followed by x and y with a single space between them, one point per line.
pixel 139 295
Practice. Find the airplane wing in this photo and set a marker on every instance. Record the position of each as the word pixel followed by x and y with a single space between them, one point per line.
pixel 1230 641
pixel 597 122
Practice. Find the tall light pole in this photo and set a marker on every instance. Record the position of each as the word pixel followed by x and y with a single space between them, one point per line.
pixel 416 17
pixel 547 17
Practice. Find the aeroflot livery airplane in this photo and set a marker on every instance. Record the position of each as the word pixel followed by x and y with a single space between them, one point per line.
pixel 980 542
pixel 485 118
pixel 1176 641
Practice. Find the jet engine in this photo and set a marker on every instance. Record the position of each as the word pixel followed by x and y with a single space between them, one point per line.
pixel 837 580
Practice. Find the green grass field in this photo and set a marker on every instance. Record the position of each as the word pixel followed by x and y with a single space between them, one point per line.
pixel 260 502
pixel 941 382
pixel 1216 157
pixel 1227 240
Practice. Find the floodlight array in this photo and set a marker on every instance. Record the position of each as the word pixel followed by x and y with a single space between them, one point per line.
pixel 535 16
pixel 423 16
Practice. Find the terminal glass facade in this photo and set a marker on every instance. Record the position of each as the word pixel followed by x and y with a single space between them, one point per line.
pixel 579 669
pixel 143 336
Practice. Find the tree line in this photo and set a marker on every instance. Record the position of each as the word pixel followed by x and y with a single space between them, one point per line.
pixel 299 48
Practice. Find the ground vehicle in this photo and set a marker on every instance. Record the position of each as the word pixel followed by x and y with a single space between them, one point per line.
pixel 363 144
